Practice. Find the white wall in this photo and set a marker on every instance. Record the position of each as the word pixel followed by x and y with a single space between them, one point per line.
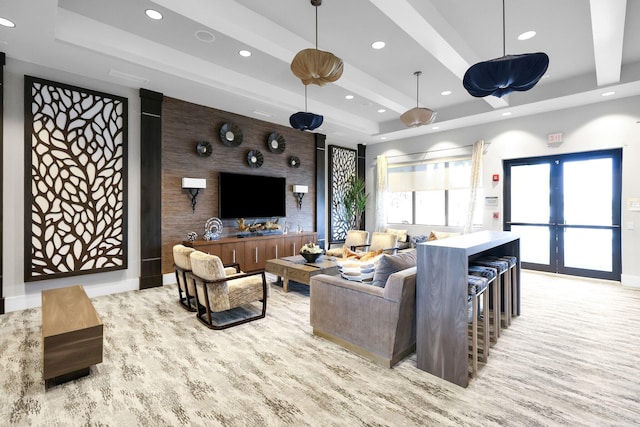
pixel 611 124
pixel 18 294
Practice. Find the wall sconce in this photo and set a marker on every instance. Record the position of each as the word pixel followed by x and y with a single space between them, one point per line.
pixel 299 191
pixel 194 185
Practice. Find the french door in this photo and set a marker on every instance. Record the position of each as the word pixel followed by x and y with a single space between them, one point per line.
pixel 566 209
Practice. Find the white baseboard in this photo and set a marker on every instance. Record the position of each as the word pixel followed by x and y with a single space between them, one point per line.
pixel 168 279
pixel 22 302
pixel 630 281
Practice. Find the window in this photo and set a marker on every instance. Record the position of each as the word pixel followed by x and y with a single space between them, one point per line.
pixel 434 193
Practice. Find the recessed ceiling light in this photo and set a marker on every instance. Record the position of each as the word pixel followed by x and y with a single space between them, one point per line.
pixel 7 23
pixel 383 138
pixel 608 93
pixel 153 14
pixel 506 113
pixel 378 45
pixel 526 35
pixel 435 127
pixel 445 92
pixel 382 110
pixel 244 53
pixel 205 36
pixel 348 97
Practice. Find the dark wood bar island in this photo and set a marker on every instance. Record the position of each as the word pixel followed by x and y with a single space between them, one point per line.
pixel 441 298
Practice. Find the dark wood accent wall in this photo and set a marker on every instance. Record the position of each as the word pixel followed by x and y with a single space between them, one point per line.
pixel 361 162
pixel 184 125
pixel 150 189
pixel 321 179
pixel 2 63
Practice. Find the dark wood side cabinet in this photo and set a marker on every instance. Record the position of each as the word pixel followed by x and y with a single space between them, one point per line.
pixel 441 299
pixel 253 252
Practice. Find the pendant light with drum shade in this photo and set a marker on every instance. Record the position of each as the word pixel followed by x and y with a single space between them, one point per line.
pixel 417 116
pixel 303 120
pixel 508 73
pixel 314 66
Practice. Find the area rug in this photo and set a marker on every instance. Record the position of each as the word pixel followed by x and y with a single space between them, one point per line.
pixel 570 359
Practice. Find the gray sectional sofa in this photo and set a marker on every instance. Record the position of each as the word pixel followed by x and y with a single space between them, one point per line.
pixel 373 321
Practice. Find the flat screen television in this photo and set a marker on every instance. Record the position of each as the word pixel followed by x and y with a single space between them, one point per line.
pixel 251 196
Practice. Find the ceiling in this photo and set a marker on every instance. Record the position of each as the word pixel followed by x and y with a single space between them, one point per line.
pixel 589 44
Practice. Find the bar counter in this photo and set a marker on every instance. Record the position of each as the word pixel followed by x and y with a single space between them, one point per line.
pixel 441 298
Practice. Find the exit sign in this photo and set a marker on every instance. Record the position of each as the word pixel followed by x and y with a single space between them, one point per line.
pixel 554 138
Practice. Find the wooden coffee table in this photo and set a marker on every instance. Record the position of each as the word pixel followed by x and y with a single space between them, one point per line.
pixel 297 269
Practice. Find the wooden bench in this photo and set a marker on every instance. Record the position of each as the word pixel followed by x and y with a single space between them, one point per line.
pixel 71 334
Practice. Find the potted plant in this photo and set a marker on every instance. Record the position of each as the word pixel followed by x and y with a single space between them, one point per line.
pixel 355 201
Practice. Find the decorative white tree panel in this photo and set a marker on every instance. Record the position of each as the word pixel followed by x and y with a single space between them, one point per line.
pixel 75 180
pixel 342 167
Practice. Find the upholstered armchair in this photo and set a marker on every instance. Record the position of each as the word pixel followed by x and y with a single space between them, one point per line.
pixel 182 266
pixel 217 291
pixel 353 239
pixel 387 242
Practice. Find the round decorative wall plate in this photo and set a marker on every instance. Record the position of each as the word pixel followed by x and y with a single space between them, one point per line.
pixel 294 162
pixel 255 158
pixel 275 143
pixel 230 135
pixel 204 149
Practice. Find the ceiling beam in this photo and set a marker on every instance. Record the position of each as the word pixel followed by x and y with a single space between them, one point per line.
pixel 607 23
pixel 87 33
pixel 280 43
pixel 406 17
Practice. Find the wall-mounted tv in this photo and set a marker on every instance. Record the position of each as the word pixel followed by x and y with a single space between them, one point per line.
pixel 251 196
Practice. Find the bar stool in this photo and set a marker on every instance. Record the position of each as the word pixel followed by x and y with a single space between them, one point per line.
pixel 513 261
pixel 503 283
pixel 509 280
pixel 476 286
pixel 492 334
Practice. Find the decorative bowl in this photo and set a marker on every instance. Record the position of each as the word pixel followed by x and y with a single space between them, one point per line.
pixel 310 257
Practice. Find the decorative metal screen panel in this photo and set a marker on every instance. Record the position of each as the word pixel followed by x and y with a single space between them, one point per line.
pixel 342 167
pixel 75 180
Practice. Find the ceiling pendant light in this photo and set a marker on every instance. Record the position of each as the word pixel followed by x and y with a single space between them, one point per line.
pixel 418 116
pixel 314 65
pixel 303 120
pixel 501 76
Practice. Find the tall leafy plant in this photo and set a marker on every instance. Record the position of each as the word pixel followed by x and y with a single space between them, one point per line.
pixel 355 201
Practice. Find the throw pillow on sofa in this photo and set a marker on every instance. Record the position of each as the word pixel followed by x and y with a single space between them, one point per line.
pixel 439 235
pixel 390 264
pixel 418 239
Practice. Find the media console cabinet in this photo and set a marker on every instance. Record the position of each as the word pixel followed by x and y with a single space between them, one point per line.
pixel 71 334
pixel 441 298
pixel 252 252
